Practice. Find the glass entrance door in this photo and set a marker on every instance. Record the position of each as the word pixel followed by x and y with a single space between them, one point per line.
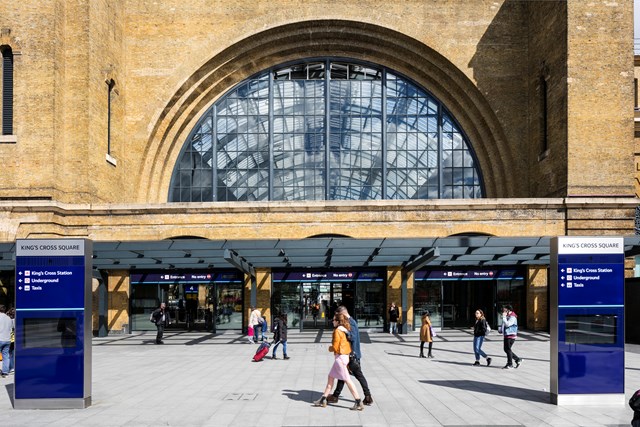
pixel 206 307
pixel 427 297
pixel 191 306
pixel 315 299
pixel 228 306
pixel 320 301
pixel 286 300
pixel 197 300
pixel 311 305
pixel 462 298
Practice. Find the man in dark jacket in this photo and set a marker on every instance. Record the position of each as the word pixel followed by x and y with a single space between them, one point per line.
pixel 354 366
pixel 161 318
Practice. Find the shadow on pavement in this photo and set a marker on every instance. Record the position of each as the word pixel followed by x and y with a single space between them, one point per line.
pixel 414 356
pixel 492 388
pixel 9 388
pixel 302 395
pixel 451 363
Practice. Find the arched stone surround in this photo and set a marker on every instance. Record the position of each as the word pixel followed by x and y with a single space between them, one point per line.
pixel 334 38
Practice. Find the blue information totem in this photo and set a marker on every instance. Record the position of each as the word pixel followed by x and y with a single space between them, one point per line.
pixel 53 324
pixel 587 320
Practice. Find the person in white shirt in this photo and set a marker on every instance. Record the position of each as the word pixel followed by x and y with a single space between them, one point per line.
pixel 255 321
pixel 6 326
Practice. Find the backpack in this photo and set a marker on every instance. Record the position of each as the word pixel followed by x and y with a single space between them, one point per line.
pixel 634 402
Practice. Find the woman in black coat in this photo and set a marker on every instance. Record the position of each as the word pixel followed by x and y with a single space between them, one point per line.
pixel 280 335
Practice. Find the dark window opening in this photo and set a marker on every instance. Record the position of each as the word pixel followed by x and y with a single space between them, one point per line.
pixel 110 84
pixel 544 114
pixel 7 90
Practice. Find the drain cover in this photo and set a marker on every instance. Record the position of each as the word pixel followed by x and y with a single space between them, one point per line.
pixel 240 396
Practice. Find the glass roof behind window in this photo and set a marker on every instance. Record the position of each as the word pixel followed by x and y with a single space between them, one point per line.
pixel 296 132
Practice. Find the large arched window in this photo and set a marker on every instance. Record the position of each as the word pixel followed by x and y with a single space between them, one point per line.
pixel 326 130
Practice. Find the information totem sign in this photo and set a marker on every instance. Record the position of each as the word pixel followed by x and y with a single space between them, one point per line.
pixel 587 320
pixel 53 324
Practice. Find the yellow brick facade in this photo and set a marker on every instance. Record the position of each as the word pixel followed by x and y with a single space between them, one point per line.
pixel 169 61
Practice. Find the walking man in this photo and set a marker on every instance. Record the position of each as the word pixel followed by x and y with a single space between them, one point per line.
pixel 510 332
pixel 161 318
pixel 355 368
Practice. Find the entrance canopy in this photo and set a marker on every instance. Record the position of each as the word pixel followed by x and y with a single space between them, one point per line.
pixel 411 254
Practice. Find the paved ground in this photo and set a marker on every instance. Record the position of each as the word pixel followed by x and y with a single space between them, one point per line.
pixel 205 380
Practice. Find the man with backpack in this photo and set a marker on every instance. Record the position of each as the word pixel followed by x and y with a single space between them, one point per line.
pixel 354 363
pixel 634 403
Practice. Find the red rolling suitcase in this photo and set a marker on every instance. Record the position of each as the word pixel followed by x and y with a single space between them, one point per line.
pixel 262 351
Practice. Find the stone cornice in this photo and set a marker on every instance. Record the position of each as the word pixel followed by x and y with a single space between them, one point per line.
pixel 317 206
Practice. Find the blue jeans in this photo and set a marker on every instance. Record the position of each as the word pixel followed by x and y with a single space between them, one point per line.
pixel 12 357
pixel 284 348
pixel 477 347
pixel 4 347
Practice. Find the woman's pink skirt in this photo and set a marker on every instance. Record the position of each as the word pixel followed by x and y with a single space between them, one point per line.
pixel 339 369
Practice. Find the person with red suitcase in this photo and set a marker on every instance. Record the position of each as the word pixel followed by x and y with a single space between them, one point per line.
pixel 261 352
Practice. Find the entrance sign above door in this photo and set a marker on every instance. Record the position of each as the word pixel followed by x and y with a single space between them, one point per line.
pixel 329 276
pixel 453 274
pixel 183 277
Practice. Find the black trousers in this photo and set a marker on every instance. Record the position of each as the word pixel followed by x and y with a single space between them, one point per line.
pixel 422 347
pixel 357 372
pixel 160 328
pixel 511 356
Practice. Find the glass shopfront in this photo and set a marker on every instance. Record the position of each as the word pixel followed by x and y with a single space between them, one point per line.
pixel 198 300
pixel 309 298
pixel 453 296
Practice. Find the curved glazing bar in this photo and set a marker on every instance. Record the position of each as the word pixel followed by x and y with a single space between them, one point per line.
pixel 359 132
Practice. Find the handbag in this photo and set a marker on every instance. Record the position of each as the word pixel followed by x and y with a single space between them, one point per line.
pixel 354 363
pixel 433 333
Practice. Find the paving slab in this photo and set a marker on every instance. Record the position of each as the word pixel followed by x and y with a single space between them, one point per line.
pixel 198 379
